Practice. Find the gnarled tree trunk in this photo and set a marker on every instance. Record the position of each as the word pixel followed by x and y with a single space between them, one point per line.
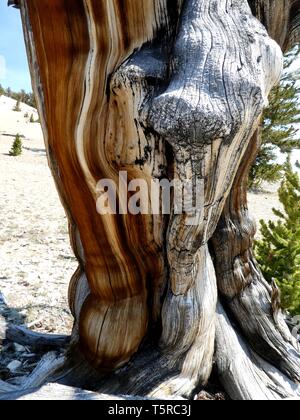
pixel 164 89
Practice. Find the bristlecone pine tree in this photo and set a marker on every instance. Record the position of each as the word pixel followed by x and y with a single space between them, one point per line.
pixel 279 251
pixel 21 96
pixel 279 131
pixel 16 149
pixel 164 90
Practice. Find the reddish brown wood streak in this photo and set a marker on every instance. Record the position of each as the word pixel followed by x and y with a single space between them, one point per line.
pixel 118 262
pixel 202 91
pixel 78 47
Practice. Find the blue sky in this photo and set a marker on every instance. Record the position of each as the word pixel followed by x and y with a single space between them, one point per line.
pixel 14 71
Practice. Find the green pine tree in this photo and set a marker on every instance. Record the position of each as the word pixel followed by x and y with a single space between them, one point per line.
pixel 279 250
pixel 279 132
pixel 17 147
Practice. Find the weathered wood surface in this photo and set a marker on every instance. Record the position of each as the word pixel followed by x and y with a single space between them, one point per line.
pixel 53 366
pixel 37 341
pixel 48 366
pixel 244 374
pixel 175 90
pixel 56 392
pixel 6 388
pixel 281 18
pixel 248 296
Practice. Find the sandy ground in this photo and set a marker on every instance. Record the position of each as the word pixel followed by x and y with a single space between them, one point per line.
pixel 36 261
pixel 262 203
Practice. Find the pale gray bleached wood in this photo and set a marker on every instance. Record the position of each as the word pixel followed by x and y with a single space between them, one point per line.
pixel 249 297
pixel 35 340
pixel 6 388
pixel 57 392
pixel 138 70
pixel 244 374
pixel 53 367
pixel 47 367
pixel 219 76
pixel 184 108
pixel 220 49
pixel 281 18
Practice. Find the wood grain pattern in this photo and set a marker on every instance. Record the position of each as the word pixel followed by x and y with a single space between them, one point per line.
pixel 208 126
pixel 34 340
pixel 118 263
pixel 240 281
pixel 163 89
pixel 281 18
pixel 244 374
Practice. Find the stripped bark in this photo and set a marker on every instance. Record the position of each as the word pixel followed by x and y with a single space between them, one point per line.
pixel 37 341
pixel 48 366
pixel 163 90
pixel 240 281
pixel 281 18
pixel 6 388
pixel 244 374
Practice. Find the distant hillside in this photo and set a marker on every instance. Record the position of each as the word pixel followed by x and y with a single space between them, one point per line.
pixel 25 97
pixel 13 122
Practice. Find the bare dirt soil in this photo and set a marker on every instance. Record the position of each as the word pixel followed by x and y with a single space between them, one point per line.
pixel 36 260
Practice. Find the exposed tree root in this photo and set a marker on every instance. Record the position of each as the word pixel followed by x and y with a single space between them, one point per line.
pixel 244 374
pixel 36 341
pixel 200 98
